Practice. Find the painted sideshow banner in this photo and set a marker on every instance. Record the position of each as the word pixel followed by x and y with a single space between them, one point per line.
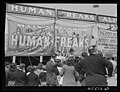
pixel 77 38
pixel 27 38
pixel 107 41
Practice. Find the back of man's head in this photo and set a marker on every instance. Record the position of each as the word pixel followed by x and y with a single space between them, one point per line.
pixel 53 55
pixel 92 49
pixel 84 54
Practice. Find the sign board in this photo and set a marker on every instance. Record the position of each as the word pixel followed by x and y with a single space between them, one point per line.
pixel 107 41
pixel 25 38
pixel 30 10
pixel 64 14
pixel 77 38
pixel 107 19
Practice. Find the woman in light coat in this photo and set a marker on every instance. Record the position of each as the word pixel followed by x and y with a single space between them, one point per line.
pixel 70 75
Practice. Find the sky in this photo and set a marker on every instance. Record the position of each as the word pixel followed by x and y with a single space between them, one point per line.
pixel 103 9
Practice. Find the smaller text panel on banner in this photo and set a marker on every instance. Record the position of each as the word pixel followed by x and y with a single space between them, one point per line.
pixel 107 41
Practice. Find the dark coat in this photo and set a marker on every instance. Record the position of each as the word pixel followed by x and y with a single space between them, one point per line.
pixel 10 76
pixel 32 79
pixel 95 68
pixel 42 76
pixel 52 72
pixel 20 78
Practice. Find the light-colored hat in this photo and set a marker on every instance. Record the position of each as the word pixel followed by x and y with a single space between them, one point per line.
pixel 58 58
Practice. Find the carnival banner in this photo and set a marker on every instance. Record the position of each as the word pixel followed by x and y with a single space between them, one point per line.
pixel 26 38
pixel 107 41
pixel 77 38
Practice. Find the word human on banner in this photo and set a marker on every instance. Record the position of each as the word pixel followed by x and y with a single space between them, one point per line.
pixel 107 41
pixel 30 10
pixel 27 39
pixel 64 14
pixel 68 37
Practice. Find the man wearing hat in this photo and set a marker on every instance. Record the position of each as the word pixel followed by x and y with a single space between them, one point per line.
pixel 94 67
pixel 52 72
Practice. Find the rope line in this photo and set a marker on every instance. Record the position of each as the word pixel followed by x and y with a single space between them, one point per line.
pixel 29 60
pixel 35 58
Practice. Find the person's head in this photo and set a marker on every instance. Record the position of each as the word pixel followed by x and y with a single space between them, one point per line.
pixel 100 54
pixel 53 56
pixel 22 66
pixel 108 56
pixel 70 61
pixel 84 54
pixel 39 66
pixel 58 52
pixel 32 68
pixel 12 67
pixel 71 50
pixel 57 59
pixel 29 68
pixel 92 49
pixel 7 63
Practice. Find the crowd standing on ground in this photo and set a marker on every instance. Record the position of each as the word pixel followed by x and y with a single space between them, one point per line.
pixel 64 70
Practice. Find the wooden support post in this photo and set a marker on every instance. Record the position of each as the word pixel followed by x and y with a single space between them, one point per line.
pixel 14 58
pixel 41 59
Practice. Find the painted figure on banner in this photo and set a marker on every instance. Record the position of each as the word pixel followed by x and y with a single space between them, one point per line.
pixel 18 33
pixel 64 39
pixel 74 42
pixel 58 43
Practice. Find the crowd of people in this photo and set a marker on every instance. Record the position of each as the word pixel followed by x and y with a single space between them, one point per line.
pixel 61 70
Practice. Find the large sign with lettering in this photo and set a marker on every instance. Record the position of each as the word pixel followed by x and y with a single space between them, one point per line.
pixel 107 19
pixel 63 14
pixel 30 10
pixel 77 38
pixel 107 41
pixel 26 39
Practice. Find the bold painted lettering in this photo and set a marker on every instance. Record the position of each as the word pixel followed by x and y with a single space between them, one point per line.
pixel 86 42
pixel 81 42
pixel 75 43
pixel 92 17
pixel 74 15
pixel 81 16
pixel 110 19
pixel 69 42
pixel 39 42
pixel 87 17
pixel 41 12
pixel 23 10
pixel 49 12
pixel 14 40
pixel 14 7
pixel 46 41
pixel 69 15
pixel 105 19
pixel 31 41
pixel 31 9
pixel 22 40
pixel 63 41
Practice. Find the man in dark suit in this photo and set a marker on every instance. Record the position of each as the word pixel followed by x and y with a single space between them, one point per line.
pixel 52 72
pixel 95 68
pixel 20 76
